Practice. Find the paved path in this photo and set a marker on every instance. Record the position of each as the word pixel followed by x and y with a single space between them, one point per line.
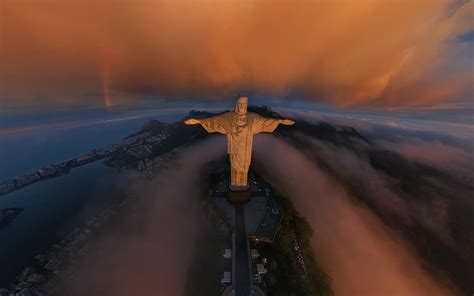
pixel 241 268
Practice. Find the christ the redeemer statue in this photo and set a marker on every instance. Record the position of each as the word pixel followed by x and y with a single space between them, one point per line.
pixel 239 126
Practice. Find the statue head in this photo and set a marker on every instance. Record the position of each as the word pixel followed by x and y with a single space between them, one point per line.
pixel 241 105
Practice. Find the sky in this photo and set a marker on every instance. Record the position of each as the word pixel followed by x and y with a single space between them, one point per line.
pixel 345 53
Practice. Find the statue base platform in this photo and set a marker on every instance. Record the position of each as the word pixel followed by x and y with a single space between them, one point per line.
pixel 262 212
pixel 239 194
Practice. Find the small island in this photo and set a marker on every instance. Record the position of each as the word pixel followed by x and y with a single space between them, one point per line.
pixel 8 215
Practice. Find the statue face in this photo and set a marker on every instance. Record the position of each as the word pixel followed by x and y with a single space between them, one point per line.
pixel 241 106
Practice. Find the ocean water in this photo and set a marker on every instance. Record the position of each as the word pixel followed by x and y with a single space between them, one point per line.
pixel 52 208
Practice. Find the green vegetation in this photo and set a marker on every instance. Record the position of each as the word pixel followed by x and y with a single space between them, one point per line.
pixel 285 275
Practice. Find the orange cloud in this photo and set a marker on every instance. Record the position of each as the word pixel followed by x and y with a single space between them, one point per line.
pixel 345 52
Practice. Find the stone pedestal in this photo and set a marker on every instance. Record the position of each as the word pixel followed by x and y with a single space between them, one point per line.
pixel 239 195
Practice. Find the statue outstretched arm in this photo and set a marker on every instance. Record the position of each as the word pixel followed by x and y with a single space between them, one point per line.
pixel 287 121
pixel 268 125
pixel 192 121
pixel 214 124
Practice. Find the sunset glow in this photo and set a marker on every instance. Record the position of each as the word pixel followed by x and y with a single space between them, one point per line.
pixel 381 53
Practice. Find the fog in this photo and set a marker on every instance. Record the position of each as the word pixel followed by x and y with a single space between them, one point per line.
pixel 361 255
pixel 150 249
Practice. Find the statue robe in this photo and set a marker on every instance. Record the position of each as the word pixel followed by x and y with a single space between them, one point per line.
pixel 239 130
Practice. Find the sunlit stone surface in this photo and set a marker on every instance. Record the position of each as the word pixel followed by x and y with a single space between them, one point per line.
pixel 239 127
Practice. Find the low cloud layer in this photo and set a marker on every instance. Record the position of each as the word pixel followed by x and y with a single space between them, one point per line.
pixel 343 52
pixel 444 157
pixel 383 192
pixel 150 251
pixel 360 253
